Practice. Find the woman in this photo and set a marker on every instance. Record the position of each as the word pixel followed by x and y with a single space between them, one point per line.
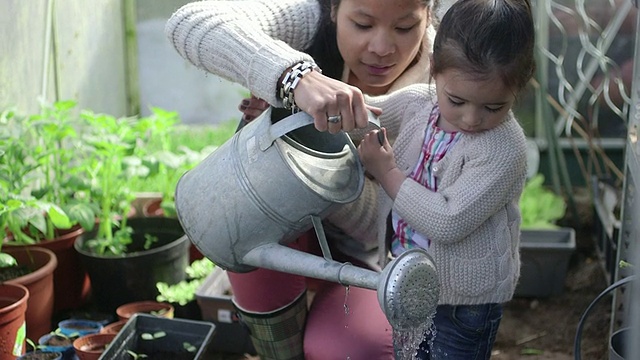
pixel 337 50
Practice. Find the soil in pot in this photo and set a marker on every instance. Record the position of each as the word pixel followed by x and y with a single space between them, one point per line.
pixel 10 273
pixel 41 355
pixel 57 343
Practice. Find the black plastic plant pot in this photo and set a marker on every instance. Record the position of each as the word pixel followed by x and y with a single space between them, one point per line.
pixel 117 280
pixel 160 338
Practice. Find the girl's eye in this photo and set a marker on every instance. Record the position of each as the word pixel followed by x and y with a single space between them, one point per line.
pixel 455 102
pixel 494 110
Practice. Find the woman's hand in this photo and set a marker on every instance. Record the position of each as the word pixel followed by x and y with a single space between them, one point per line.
pixel 377 157
pixel 252 107
pixel 328 99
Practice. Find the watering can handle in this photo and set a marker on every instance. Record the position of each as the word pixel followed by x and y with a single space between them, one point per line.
pixel 297 121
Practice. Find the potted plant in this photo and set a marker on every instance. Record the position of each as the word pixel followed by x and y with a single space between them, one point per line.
pixel 141 250
pixel 57 342
pixel 545 247
pixel 42 187
pixel 183 294
pixel 34 270
pixel 41 355
pixel 13 306
pixel 148 335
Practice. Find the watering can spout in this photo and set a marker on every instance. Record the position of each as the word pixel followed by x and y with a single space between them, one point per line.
pixel 408 288
pixel 271 255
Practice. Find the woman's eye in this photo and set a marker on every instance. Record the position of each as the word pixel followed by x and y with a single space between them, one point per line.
pixel 494 110
pixel 405 29
pixel 362 26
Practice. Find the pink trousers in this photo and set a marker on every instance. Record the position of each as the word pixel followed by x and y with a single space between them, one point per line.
pixel 343 323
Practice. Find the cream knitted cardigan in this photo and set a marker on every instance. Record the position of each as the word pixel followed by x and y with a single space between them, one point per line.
pixel 253 42
pixel 473 219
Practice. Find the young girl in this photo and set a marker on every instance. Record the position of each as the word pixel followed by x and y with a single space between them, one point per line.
pixel 453 179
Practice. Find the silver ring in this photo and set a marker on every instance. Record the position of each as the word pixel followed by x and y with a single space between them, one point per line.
pixel 334 119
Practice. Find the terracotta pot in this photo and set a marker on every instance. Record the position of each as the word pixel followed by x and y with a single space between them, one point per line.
pixel 160 309
pixel 152 208
pixel 72 286
pixel 42 262
pixel 13 305
pixel 114 327
pixel 90 347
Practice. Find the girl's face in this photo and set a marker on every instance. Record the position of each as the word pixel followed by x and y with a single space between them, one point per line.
pixel 471 105
pixel 379 39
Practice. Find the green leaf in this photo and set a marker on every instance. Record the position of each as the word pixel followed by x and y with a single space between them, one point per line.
pixel 531 351
pixel 7 260
pixel 59 218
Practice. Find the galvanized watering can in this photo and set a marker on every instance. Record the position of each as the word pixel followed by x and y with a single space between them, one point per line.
pixel 270 183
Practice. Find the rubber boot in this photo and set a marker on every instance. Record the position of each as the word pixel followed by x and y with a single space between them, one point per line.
pixel 278 335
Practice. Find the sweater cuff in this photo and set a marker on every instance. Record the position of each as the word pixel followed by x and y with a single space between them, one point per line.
pixel 278 58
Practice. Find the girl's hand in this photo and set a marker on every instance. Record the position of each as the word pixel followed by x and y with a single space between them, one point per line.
pixel 379 161
pixel 377 158
pixel 323 97
pixel 252 107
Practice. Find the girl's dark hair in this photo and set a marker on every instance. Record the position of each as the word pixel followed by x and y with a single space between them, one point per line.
pixel 485 37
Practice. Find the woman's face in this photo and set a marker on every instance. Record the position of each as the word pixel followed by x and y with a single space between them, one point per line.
pixel 379 39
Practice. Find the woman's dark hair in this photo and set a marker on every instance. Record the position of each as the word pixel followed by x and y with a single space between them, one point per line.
pixel 485 37
pixel 324 48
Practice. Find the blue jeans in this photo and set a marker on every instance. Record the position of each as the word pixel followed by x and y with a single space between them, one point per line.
pixel 462 332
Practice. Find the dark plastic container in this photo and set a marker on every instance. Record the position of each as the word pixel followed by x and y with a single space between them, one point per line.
pixel 544 257
pixel 117 280
pixel 177 332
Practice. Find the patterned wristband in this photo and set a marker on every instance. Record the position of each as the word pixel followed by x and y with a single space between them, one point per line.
pixel 291 80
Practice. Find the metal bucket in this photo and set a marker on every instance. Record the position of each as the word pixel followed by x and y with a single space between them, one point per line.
pixel 265 185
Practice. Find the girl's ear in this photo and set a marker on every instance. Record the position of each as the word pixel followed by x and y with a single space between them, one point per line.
pixel 334 13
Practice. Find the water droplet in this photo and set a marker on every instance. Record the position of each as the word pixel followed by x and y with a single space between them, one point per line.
pixel 346 297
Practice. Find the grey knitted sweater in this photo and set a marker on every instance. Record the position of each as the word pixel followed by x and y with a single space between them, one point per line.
pixel 253 42
pixel 473 220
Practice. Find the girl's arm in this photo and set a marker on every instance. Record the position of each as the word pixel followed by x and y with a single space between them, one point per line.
pixel 251 43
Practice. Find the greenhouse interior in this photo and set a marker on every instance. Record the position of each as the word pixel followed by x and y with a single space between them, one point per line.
pixel 135 193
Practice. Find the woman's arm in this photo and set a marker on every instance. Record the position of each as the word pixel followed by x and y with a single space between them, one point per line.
pixel 251 43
